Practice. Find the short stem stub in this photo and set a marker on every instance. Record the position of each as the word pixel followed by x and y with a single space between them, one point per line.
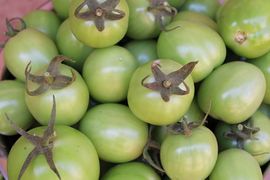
pixel 240 37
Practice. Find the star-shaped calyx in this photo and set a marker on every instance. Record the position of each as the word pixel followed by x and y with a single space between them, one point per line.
pixel 162 9
pixel 50 79
pixel 42 145
pixel 99 12
pixel 168 84
pixel 241 132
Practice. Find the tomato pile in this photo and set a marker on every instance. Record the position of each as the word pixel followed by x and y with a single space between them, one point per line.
pixel 138 89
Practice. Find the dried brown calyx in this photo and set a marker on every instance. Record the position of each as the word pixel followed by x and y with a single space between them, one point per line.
pixel 42 145
pixel 168 84
pixel 241 132
pixel 240 37
pixel 50 79
pixel 99 12
pixel 162 9
pixel 14 26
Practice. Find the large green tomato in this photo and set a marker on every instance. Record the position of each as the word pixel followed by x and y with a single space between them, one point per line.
pixel 192 42
pixel 28 45
pixel 189 157
pixel 207 7
pixel 44 21
pixel 74 155
pixel 116 133
pixel 107 73
pixel 143 50
pixel 131 171
pixel 13 104
pixel 245 27
pixel 71 47
pixel 148 105
pixel 235 91
pixel 87 32
pixel 235 164
pixel 263 63
pixel 71 102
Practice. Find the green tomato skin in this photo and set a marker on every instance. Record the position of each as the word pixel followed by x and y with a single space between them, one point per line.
pixel 192 42
pixel 44 21
pixel 131 171
pixel 176 3
pixel 251 18
pixel 61 7
pixel 87 33
pixel 236 164
pixel 71 102
pixel 206 7
pixel 70 46
pixel 28 45
pixel 107 73
pixel 148 105
pixel 237 96
pixel 116 133
pixel 142 24
pixel 263 63
pixel 143 50
pixel 13 104
pixel 223 142
pixel 197 18
pixel 74 155
pixel 189 157
pixel 259 147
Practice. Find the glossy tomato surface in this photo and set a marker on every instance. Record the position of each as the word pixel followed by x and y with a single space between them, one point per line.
pixel 27 46
pixel 116 133
pixel 188 157
pixel 235 90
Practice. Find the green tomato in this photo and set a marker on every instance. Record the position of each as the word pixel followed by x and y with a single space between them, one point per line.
pixel 61 7
pixel 235 164
pixel 142 23
pixel 13 104
pixel 148 105
pixel 28 45
pixel 192 42
pixel 258 145
pixel 235 91
pixel 116 133
pixel 71 47
pixel 86 31
pixel 247 34
pixel 71 101
pixel 74 155
pixel 189 157
pixel 107 72
pixel 206 7
pixel 131 171
pixel 263 63
pixel 143 50
pixel 44 21
pixel 196 17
